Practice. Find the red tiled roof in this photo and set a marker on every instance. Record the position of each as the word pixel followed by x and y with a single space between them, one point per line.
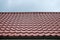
pixel 29 23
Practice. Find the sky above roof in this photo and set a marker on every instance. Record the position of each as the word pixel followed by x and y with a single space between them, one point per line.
pixel 29 5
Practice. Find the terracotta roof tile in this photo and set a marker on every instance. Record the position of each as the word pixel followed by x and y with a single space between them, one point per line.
pixel 29 23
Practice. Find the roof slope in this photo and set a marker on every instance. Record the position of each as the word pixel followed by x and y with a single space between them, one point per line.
pixel 29 24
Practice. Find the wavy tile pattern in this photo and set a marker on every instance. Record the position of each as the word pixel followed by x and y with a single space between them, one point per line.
pixel 29 23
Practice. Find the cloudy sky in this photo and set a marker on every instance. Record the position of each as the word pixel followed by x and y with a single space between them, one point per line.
pixel 29 5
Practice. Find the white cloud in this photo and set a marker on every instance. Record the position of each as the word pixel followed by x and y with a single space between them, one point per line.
pixel 30 5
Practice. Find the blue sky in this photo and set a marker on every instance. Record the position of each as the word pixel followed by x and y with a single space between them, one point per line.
pixel 29 5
